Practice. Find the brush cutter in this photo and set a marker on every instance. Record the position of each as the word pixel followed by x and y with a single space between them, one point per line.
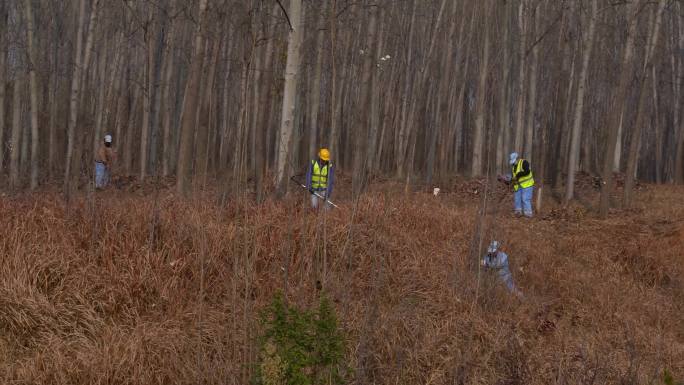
pixel 314 193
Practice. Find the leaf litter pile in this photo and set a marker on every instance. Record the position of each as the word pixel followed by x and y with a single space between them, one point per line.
pixel 127 289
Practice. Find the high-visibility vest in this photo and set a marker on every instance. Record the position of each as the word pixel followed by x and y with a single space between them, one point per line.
pixel 524 182
pixel 319 176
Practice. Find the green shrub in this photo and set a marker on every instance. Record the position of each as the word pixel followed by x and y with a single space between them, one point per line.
pixel 300 347
pixel 669 380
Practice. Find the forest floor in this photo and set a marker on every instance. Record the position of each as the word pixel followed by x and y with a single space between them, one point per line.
pixel 136 286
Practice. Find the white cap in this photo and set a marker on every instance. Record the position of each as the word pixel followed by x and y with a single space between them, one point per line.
pixel 493 247
pixel 513 158
pixel 108 138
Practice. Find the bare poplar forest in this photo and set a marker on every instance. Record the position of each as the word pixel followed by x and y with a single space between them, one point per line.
pixel 247 91
pixel 154 280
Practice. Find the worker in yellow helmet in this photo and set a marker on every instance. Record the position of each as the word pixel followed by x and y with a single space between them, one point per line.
pixel 320 176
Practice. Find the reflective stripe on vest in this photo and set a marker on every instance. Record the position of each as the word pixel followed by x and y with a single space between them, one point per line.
pixel 319 176
pixel 524 182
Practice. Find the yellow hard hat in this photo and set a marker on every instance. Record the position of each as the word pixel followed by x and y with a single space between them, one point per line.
pixel 324 154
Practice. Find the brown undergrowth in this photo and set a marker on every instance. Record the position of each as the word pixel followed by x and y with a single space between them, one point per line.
pixel 115 291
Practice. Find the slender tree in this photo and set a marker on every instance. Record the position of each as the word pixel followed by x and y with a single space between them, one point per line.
pixel 615 117
pixel 292 70
pixel 573 157
pixel 189 114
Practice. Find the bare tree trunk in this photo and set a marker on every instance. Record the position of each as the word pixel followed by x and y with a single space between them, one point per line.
pixel 148 84
pixel 130 132
pixel 16 130
pixel 658 132
pixel 290 93
pixel 503 138
pixel 34 95
pixel 205 107
pixel 402 141
pixel 633 154
pixel 3 83
pixel 189 113
pixel 169 105
pixel 520 114
pixel 223 148
pixel 363 125
pixel 620 98
pixel 422 90
pixel 52 103
pixel 564 110
pixel 256 83
pixel 478 135
pixel 579 108
pixel 678 118
pixel 241 130
pixel 532 99
pixel 316 87
pixel 122 105
pixel 73 100
pixel 110 99
pixel 264 105
pixel 375 109
pixel 102 66
pixel 334 103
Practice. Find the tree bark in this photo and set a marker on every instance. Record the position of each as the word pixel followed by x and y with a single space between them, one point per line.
pixel 16 130
pixel 169 105
pixel 290 93
pixel 679 152
pixel 520 113
pixel 189 114
pixel 316 88
pixel 148 84
pixel 480 110
pixel 225 116
pixel 615 117
pixel 34 95
pixel 503 139
pixel 532 98
pixel 206 108
pixel 97 135
pixel 363 125
pixel 3 81
pixel 73 99
pixel 579 105
pixel 633 154
pixel 402 140
pixel 264 104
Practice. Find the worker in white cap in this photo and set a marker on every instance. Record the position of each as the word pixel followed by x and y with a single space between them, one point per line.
pixel 523 184
pixel 497 260
pixel 104 161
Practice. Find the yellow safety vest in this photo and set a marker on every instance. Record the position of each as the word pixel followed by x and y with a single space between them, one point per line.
pixel 524 182
pixel 319 176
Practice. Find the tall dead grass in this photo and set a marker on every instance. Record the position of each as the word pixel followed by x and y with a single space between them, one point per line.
pixel 177 303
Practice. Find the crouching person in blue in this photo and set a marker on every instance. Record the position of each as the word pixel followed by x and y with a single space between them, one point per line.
pixel 320 176
pixel 497 260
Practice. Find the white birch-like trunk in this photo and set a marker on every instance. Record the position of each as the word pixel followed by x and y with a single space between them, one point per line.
pixel 290 93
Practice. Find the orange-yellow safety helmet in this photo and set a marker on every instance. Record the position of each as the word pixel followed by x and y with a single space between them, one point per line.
pixel 324 154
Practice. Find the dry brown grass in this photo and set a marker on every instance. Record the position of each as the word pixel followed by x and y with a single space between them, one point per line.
pixel 176 302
